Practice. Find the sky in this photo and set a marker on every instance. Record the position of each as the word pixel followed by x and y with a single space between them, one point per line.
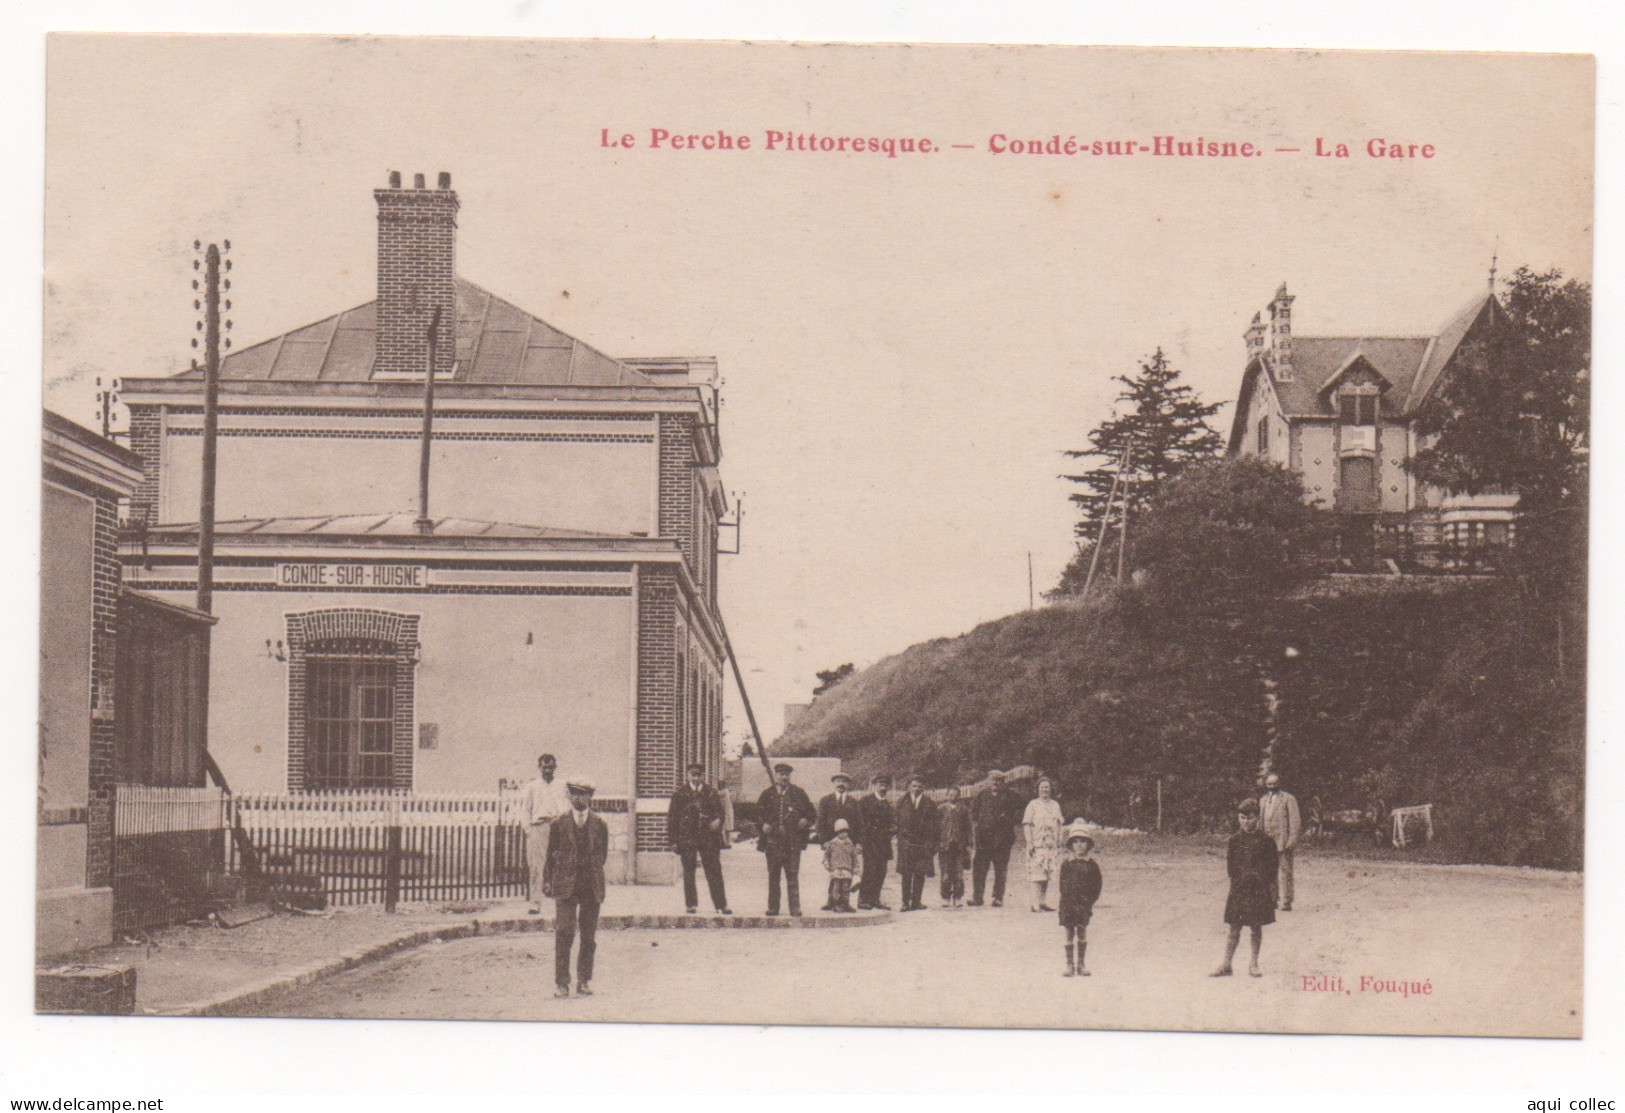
pixel 908 345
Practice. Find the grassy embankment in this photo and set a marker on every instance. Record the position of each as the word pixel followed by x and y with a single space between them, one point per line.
pixel 1414 692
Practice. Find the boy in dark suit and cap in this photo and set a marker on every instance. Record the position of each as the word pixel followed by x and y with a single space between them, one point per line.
pixel 577 848
pixel 787 818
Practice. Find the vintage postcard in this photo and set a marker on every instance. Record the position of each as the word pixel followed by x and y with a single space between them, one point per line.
pixel 1032 537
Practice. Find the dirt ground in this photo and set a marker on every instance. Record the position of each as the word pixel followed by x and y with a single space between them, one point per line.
pixel 1499 948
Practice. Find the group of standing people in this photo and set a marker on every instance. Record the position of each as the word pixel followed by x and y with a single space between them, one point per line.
pixel 931 839
pixel 928 838
pixel 568 847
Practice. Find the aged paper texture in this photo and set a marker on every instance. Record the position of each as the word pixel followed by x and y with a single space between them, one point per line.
pixel 907 535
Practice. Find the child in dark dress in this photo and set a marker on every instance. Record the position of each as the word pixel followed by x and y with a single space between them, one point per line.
pixel 1080 888
pixel 1252 861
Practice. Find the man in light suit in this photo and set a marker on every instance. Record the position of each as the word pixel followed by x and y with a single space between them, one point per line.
pixel 577 848
pixel 1281 822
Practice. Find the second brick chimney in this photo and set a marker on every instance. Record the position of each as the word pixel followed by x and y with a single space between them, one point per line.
pixel 417 257
pixel 1278 342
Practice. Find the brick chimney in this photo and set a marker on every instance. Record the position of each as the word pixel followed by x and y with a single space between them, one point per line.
pixel 417 255
pixel 1255 337
pixel 1279 341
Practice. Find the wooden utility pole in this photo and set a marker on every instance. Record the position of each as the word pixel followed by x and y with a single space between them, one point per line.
pixel 425 524
pixel 211 426
pixel 1122 526
pixel 1105 520
pixel 1029 579
pixel 744 697
pixel 212 327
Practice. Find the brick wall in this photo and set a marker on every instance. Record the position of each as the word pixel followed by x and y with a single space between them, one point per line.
pixel 103 661
pixel 677 482
pixel 657 757
pixel 146 441
pixel 417 251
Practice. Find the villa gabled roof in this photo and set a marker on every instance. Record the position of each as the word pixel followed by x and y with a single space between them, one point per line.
pixel 1410 365
pixel 496 343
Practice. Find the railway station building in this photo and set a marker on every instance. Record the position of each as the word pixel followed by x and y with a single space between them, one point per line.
pixel 559 595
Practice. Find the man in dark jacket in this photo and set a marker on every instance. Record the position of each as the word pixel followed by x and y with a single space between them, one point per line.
pixel 787 817
pixel 877 824
pixel 577 848
pixel 694 829
pixel 994 817
pixel 840 804
pixel 917 830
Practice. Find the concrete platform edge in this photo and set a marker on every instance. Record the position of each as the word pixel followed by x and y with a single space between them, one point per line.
pixel 268 989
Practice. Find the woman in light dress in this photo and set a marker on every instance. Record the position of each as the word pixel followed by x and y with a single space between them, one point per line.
pixel 1041 823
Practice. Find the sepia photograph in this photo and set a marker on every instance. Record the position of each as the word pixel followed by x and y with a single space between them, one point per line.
pixel 947 536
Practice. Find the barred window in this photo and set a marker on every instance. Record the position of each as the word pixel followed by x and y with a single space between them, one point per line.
pixel 350 714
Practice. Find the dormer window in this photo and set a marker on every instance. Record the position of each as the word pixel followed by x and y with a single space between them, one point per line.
pixel 1357 405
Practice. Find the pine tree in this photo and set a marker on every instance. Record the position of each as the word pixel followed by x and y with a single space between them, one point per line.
pixel 1162 426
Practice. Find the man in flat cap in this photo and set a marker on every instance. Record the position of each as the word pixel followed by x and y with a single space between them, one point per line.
pixel 877 822
pixel 695 830
pixel 787 817
pixel 577 848
pixel 994 816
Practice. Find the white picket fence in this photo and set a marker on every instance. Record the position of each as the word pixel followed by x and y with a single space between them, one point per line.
pixel 148 810
pixel 320 810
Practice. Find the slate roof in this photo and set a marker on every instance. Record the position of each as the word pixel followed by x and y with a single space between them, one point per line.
pixel 382 525
pixel 1410 364
pixel 497 342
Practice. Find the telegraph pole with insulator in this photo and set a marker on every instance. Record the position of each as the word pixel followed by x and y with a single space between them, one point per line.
pixel 106 399
pixel 210 326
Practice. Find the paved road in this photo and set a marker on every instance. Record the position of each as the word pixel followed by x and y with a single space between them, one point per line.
pixel 1501 949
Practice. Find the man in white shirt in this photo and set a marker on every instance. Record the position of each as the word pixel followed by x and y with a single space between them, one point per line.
pixel 545 800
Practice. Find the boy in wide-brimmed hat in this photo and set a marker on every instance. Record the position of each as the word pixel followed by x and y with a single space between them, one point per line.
pixel 1080 888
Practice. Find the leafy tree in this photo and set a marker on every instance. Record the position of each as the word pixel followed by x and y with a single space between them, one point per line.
pixel 1227 531
pixel 1162 425
pixel 828 678
pixel 1515 414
